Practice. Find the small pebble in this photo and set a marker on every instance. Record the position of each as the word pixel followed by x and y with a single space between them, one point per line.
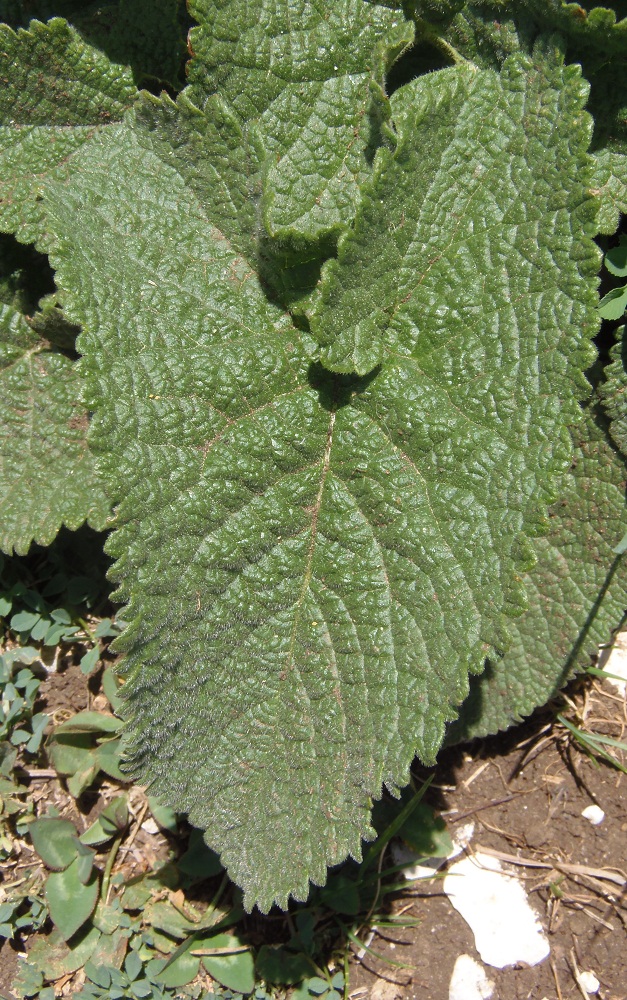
pixel 589 982
pixel 594 814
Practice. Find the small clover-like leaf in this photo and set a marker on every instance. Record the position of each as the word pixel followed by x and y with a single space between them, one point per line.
pixel 616 259
pixel 614 304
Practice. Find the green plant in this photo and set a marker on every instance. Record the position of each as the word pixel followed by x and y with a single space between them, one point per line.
pixel 82 746
pixel 614 304
pixel 19 691
pixel 113 984
pixel 333 338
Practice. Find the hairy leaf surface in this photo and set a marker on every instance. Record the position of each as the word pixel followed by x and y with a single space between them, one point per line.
pixel 47 475
pixel 614 392
pixel 334 554
pixel 577 593
pixel 471 217
pixel 147 37
pixel 610 180
pixel 50 80
pixel 310 76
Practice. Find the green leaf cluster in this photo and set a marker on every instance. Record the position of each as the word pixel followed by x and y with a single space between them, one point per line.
pixel 84 745
pixel 333 338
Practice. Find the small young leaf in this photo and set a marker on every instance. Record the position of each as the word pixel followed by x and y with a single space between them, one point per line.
pixel 55 841
pixel 132 965
pixel 614 304
pixel 77 783
pixel 98 974
pixel 342 895
pixel 72 753
pixel 179 973
pixel 616 259
pixel 105 629
pixel 38 725
pixel 24 621
pixel 111 689
pixel 142 988
pixel 317 985
pixel 237 971
pixel 108 757
pixel 71 902
pixel 39 630
pixel 163 815
pixel 114 817
pixel 85 863
pixel 89 660
pixel 89 722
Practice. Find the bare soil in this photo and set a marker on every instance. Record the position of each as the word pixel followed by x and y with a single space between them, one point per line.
pixel 525 791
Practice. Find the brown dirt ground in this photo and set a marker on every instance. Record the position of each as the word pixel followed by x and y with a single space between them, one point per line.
pixel 525 791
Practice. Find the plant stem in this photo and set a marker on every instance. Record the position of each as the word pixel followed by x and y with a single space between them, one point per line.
pixel 106 878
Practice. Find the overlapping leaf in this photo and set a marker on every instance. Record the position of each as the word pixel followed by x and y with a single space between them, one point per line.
pixel 610 180
pixel 577 593
pixel 47 475
pixel 614 392
pixel 310 77
pixel 334 554
pixel 487 31
pixel 479 226
pixel 144 36
pixel 50 80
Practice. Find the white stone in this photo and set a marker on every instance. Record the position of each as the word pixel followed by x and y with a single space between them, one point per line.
pixel 589 982
pixel 594 814
pixel 495 906
pixel 614 660
pixel 469 981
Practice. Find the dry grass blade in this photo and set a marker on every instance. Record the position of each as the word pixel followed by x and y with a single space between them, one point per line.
pixel 616 876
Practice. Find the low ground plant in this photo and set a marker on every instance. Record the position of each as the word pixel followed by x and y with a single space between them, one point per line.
pixel 311 337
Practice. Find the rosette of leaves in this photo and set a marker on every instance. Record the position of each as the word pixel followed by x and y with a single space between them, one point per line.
pixel 333 342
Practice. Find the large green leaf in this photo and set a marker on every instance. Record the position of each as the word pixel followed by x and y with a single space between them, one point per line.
pixel 470 217
pixel 310 76
pixel 333 554
pixel 47 475
pixel 50 80
pixel 577 593
pixel 487 31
